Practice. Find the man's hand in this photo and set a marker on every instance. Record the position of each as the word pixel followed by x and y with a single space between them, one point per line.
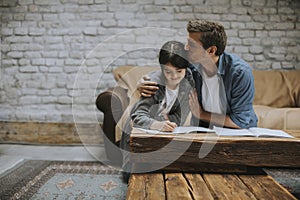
pixel 146 87
pixel 195 107
pixel 165 126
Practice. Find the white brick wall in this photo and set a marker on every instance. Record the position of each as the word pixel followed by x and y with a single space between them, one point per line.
pixel 57 55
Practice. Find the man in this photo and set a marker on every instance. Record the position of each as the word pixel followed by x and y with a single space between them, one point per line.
pixel 224 82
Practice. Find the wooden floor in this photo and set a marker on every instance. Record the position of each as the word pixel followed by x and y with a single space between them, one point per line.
pixel 182 186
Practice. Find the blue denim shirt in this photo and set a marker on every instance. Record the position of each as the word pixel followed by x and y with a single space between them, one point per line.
pixel 238 84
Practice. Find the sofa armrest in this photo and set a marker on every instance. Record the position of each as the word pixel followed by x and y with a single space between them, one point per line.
pixel 112 103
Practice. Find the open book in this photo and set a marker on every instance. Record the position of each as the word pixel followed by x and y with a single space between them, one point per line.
pixel 179 129
pixel 254 132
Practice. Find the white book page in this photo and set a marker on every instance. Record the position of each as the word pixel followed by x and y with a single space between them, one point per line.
pixel 254 131
pixel 265 132
pixel 189 129
pixel 179 130
pixel 153 131
pixel 232 132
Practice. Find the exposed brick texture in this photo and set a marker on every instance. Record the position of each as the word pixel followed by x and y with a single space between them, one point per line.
pixel 57 55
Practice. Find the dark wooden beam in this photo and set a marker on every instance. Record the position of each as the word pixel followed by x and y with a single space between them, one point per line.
pixel 182 151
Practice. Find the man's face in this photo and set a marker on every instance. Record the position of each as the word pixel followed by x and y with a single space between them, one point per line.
pixel 195 49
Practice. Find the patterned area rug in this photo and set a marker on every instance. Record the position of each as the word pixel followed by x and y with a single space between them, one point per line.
pixel 62 180
pixel 288 178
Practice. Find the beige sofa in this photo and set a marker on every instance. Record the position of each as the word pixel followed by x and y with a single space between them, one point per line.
pixel 277 99
pixel 276 102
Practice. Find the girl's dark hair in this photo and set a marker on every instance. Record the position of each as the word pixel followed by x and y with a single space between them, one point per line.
pixel 173 52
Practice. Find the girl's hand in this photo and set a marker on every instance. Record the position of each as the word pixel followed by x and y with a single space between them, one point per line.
pixel 165 126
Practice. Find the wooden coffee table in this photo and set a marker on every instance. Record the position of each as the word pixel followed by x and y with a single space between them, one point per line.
pixel 217 154
pixel 229 167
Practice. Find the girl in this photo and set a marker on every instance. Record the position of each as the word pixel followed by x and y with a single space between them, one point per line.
pixel 169 106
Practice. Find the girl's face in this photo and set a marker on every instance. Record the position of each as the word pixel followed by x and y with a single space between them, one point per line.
pixel 173 75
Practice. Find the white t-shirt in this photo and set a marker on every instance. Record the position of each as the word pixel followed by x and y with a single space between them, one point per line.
pixel 211 93
pixel 171 96
pixel 168 101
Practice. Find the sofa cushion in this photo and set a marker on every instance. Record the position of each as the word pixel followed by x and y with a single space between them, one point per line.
pixel 277 88
pixel 128 76
pixel 278 118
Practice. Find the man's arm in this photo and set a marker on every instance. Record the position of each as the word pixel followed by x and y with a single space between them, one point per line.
pixel 198 112
pixel 218 119
pixel 141 118
pixel 242 95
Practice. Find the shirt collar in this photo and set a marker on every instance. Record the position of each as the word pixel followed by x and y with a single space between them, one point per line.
pixel 221 68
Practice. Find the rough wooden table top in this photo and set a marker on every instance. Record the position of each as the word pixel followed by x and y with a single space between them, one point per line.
pixel 194 152
pixel 194 186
